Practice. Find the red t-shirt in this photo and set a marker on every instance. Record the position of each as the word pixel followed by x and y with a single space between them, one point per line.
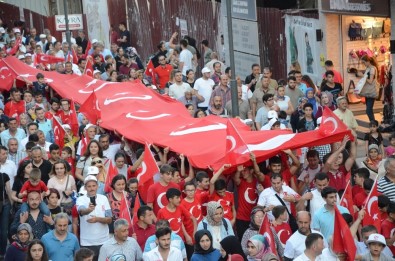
pixel 65 118
pixel 360 198
pixel 157 195
pixel 227 202
pixel 283 231
pixel 27 186
pixel 176 219
pixel 141 233
pixel 12 108
pixel 337 180
pixel 384 216
pixel 387 230
pixel 203 197
pixel 163 74
pixel 357 189
pixel 195 208
pixel 247 198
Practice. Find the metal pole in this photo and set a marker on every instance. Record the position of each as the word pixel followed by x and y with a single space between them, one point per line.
pixel 66 17
pixel 392 43
pixel 233 84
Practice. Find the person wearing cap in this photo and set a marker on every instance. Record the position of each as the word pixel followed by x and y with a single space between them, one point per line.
pixel 97 74
pixel 204 86
pixel 121 243
pixel 373 159
pixel 43 41
pixel 21 57
pixel 345 114
pixel 376 243
pixel 95 216
pixel 162 72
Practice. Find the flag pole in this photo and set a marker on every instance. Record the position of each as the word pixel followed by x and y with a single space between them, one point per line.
pixel 127 207
pixel 239 135
pixel 348 184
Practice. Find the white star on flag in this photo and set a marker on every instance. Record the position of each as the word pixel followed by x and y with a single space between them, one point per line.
pixel 375 216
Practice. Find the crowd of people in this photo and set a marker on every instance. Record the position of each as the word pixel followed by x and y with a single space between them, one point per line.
pixel 57 203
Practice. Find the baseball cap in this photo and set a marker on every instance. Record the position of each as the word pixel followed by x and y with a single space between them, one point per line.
pixel 94 41
pixel 206 70
pixel 272 114
pixel 89 125
pixel 373 146
pixel 2 30
pixel 92 170
pixel 43 36
pixel 28 55
pixel 96 71
pixel 66 126
pixel 17 30
pixel 376 238
pixel 21 56
pixel 90 178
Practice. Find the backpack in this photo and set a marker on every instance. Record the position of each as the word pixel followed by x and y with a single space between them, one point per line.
pixel 223 222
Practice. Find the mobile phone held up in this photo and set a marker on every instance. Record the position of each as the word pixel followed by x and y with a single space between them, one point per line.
pixel 93 200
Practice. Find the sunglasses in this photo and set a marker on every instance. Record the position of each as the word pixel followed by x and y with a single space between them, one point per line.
pixel 97 162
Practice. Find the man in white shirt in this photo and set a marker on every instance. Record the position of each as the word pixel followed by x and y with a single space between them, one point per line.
pixel 270 197
pixel 314 198
pixel 109 150
pixel 164 251
pixel 185 58
pixel 295 245
pixel 204 86
pixel 178 89
pixel 314 246
pixel 95 215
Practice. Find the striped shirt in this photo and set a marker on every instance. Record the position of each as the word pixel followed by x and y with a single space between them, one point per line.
pixel 387 187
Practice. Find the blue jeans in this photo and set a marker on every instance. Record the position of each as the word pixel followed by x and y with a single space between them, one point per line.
pixel 5 215
pixel 43 208
pixel 369 108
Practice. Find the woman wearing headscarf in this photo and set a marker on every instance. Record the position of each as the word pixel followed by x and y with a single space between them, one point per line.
pixel 204 249
pixel 257 215
pixel 18 249
pixel 326 101
pixel 311 98
pixel 215 222
pixel 258 247
pixel 230 245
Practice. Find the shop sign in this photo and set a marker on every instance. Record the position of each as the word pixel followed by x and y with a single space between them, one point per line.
pixel 356 7
pixel 241 9
pixel 75 22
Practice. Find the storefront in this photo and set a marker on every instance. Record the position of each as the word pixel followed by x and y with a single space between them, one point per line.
pixel 353 28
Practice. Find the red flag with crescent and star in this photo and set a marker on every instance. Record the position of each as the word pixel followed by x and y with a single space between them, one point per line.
pixel 149 71
pixel 145 173
pixel 266 230
pixel 59 132
pixel 89 67
pixel 88 48
pixel 343 241
pixel 90 108
pixel 372 215
pixel 15 48
pixel 48 59
pixel 124 210
pixel 346 200
pixel 7 76
pixel 111 173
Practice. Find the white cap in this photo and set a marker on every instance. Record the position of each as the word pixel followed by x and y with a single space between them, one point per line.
pixel 272 114
pixel 89 125
pixel 2 30
pixel 66 126
pixel 28 55
pixel 17 30
pixel 96 71
pixel 94 41
pixel 319 120
pixel 206 70
pixel 43 36
pixel 376 238
pixel 92 170
pixel 21 56
pixel 90 178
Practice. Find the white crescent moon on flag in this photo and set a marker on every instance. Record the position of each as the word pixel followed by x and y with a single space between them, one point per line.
pixel 333 121
pixel 212 127
pixel 233 140
pixel 270 144
pixel 142 97
pixel 247 198
pixel 370 202
pixel 143 170
pixel 130 116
